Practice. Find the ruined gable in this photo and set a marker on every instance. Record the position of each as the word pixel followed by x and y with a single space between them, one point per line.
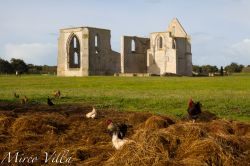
pixel 170 51
pixel 176 29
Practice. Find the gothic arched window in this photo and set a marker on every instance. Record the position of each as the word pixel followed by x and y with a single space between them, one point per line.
pixel 74 52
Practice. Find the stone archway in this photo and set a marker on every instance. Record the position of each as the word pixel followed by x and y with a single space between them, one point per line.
pixel 74 52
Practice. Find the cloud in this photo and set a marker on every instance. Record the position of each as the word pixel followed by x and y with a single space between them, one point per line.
pixel 221 53
pixel 35 53
pixel 239 52
pixel 201 38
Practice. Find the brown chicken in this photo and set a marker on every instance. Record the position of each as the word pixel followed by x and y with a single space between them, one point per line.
pixel 24 100
pixel 57 94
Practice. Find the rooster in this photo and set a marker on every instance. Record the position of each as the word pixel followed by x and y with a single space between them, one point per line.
pixel 194 109
pixel 49 102
pixel 118 142
pixel 92 114
pixel 119 128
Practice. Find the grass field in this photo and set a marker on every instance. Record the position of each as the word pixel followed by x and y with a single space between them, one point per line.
pixel 227 97
pixel 35 128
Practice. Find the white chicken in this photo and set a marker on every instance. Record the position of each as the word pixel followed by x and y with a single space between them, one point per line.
pixel 117 142
pixel 92 114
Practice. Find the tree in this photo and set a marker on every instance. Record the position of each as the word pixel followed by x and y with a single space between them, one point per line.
pixel 19 65
pixel 209 69
pixel 246 69
pixel 5 67
pixel 33 69
pixel 49 69
pixel 234 68
pixel 197 69
pixel 221 71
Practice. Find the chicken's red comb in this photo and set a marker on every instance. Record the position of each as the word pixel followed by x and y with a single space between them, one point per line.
pixel 190 103
pixel 109 121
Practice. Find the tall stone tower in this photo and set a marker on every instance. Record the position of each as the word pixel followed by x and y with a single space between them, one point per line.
pixel 85 51
pixel 170 51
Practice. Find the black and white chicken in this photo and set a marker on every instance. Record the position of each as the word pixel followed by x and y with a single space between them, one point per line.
pixel 118 142
pixel 194 109
pixel 118 128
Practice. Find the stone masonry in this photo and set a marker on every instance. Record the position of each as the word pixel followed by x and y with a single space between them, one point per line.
pixel 86 51
pixel 134 54
pixel 170 51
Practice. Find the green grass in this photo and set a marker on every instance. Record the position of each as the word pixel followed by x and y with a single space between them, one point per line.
pixel 227 97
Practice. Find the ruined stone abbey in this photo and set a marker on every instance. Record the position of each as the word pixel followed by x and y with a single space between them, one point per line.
pixel 86 51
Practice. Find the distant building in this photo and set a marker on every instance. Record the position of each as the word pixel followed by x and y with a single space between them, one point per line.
pixel 170 51
pixel 87 51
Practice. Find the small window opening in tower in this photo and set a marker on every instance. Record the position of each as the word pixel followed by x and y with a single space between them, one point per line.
pixel 132 45
pixel 160 42
pixel 174 44
pixel 96 40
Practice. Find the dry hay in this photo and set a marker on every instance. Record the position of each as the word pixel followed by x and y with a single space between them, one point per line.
pixel 241 129
pixel 184 143
pixel 206 116
pixel 220 127
pixel 92 155
pixel 137 118
pixel 151 147
pixel 5 122
pixel 157 122
pixel 39 124
pixel 157 140
pixel 42 127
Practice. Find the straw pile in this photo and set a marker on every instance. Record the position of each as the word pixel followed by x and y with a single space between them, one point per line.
pixel 185 143
pixel 39 124
pixel 156 140
pixel 5 122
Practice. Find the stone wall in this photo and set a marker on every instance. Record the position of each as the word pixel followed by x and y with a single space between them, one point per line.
pixel 63 67
pixel 164 52
pixel 161 60
pixel 184 57
pixel 102 60
pixel 134 54
pixel 170 51
pixel 96 56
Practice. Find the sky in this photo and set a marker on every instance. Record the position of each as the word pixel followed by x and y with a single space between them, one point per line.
pixel 219 29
